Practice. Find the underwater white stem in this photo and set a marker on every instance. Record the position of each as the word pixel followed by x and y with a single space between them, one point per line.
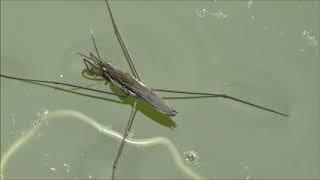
pixel 104 130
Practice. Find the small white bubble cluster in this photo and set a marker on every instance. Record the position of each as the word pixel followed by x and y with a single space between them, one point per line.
pixel 192 157
pixel 211 11
pixel 245 167
pixel 201 12
pixel 311 39
pixel 131 133
pixel 40 116
pixel 67 167
pixel 220 14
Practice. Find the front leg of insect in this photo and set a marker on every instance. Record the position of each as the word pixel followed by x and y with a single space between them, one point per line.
pixel 88 74
pixel 91 72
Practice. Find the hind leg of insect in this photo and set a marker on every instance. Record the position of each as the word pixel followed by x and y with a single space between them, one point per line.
pixel 125 135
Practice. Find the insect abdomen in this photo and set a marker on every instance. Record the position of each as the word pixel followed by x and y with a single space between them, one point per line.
pixel 140 90
pixel 153 99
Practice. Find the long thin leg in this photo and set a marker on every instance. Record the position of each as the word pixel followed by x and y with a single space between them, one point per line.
pixel 254 105
pixel 91 64
pixel 84 74
pixel 58 83
pixel 122 44
pixel 92 57
pixel 184 92
pixel 91 85
pixel 223 96
pixel 125 135
pixel 86 63
pixel 198 94
pixel 97 63
pixel 135 74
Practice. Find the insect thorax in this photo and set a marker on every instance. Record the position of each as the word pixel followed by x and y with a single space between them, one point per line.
pixel 123 78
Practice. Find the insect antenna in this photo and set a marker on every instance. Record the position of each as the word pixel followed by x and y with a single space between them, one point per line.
pixel 93 65
pixel 94 44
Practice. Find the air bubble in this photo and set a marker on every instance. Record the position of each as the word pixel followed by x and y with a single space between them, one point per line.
pixel 67 167
pixel 253 18
pixel 192 157
pixel 245 167
pixel 131 133
pixel 40 116
pixel 53 169
pixel 220 15
pixel 201 12
pixel 311 39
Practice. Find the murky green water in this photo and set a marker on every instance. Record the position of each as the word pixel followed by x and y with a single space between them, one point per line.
pixel 264 52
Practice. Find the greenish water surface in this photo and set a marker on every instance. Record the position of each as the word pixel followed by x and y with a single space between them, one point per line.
pixel 266 52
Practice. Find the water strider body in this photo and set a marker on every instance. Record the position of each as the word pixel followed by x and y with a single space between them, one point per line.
pixel 128 83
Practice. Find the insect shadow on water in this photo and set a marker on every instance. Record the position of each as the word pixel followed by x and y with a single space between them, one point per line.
pixel 131 90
